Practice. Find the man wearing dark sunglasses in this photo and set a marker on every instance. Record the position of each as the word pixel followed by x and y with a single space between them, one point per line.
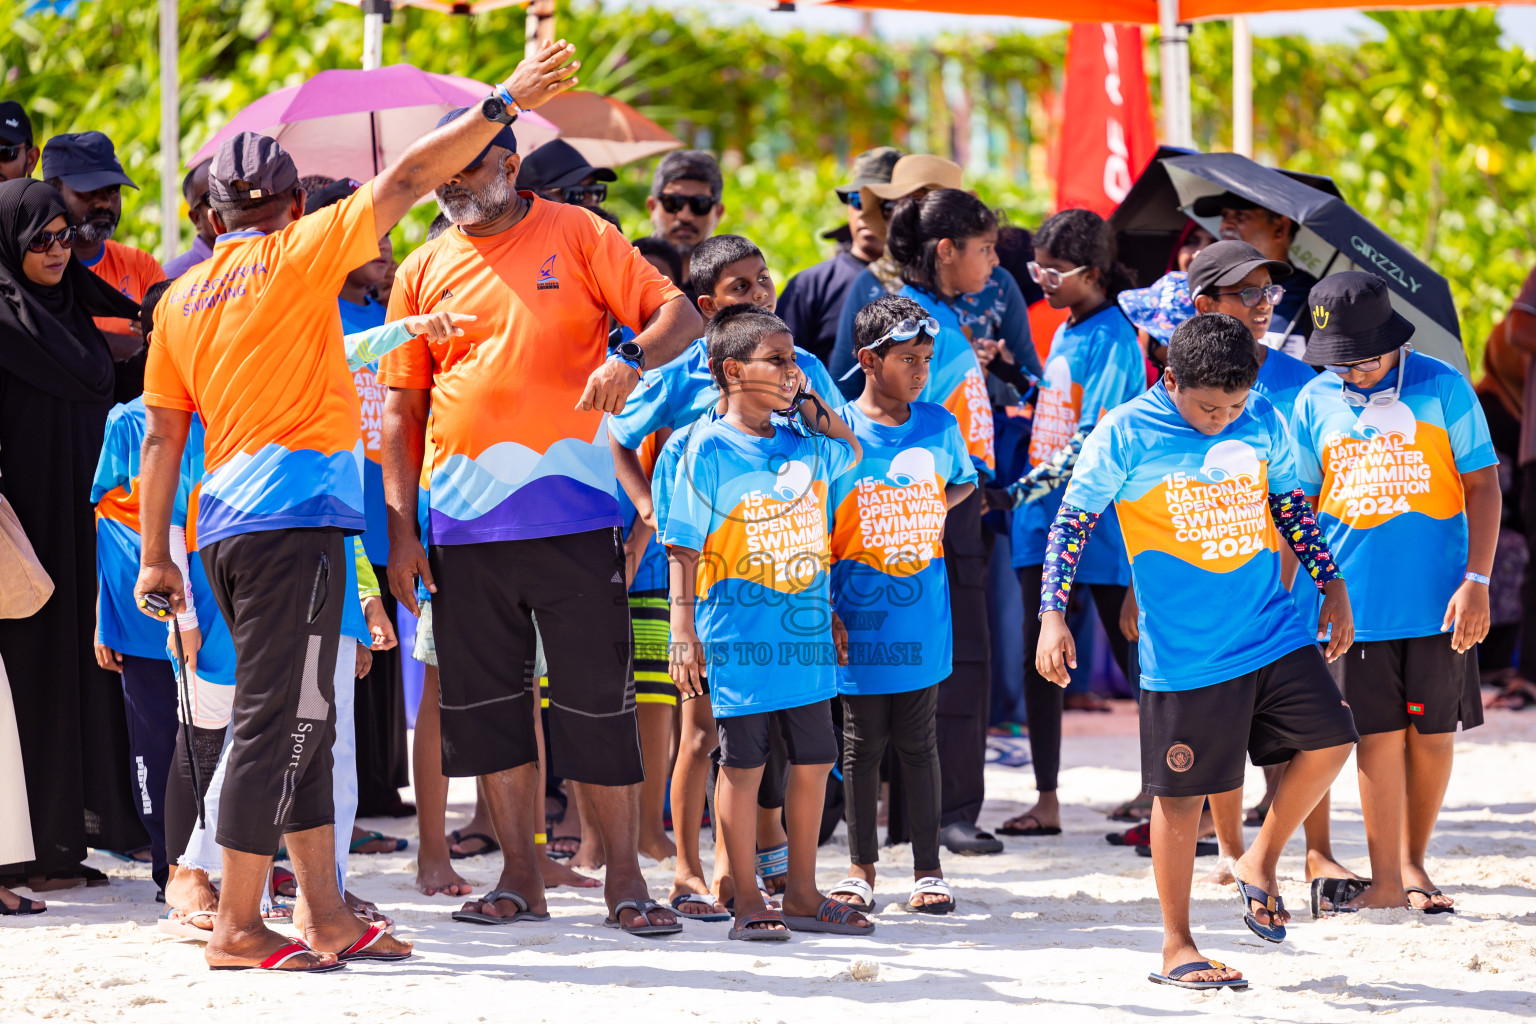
pixel 18 155
pixel 84 169
pixel 194 189
pixel 813 298
pixel 557 172
pixel 684 203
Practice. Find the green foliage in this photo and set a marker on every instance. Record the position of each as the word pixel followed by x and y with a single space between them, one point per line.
pixel 1414 127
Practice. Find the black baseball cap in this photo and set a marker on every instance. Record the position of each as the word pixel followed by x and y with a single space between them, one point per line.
pixel 1353 319
pixel 1211 206
pixel 558 164
pixel 85 161
pixel 871 167
pixel 504 138
pixel 329 195
pixel 15 125
pixel 250 166
pixel 1227 262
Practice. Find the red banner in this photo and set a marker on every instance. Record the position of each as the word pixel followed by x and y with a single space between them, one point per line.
pixel 1105 136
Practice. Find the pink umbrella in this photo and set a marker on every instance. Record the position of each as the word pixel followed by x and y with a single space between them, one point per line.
pixel 349 123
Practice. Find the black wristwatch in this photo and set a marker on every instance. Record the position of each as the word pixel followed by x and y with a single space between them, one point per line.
pixel 494 109
pixel 629 352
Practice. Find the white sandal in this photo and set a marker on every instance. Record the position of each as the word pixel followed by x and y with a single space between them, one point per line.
pixel 181 926
pixel 852 886
pixel 928 885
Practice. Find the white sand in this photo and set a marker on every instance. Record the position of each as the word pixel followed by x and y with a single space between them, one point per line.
pixel 1064 926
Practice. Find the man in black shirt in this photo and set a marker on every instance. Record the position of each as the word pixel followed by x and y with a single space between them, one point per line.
pixel 1271 234
pixel 813 298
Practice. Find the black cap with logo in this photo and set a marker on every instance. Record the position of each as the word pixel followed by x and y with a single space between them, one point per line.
pixel 1222 264
pixel 15 125
pixel 85 161
pixel 250 166
pixel 1353 319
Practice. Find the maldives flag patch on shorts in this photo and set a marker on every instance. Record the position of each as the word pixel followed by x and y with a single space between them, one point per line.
pixel 1415 709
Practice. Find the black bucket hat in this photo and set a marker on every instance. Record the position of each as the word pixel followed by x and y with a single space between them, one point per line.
pixel 1353 319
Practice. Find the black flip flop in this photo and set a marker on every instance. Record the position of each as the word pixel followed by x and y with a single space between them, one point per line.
pixel 26 906
pixel 1203 848
pixel 1037 829
pixel 491 846
pixel 1337 891
pixel 1428 894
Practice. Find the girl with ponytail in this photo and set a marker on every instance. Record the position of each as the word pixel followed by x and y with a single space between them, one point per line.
pixel 1094 365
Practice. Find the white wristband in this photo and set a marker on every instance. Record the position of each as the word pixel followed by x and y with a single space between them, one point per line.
pixel 1476 577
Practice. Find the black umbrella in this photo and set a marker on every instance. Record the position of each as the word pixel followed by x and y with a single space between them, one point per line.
pixel 1333 237
pixel 1148 221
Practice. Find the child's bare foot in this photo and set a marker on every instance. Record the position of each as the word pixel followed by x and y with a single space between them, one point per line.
pixel 1221 874
pixel 1320 865
pixel 1183 954
pixel 437 878
pixel 657 846
pixel 1416 876
pixel 1249 870
pixel 590 856
pixel 557 874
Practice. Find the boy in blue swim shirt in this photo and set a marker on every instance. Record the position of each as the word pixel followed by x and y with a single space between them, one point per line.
pixel 1197 469
pixel 1395 446
pixel 890 590
pixel 747 536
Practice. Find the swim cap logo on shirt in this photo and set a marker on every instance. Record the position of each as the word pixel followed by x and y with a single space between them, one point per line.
pixel 547 278
pixel 911 466
pixel 1387 420
pixel 1230 460
pixel 1058 375
pixel 794 479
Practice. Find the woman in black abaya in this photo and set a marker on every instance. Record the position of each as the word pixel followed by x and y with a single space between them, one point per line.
pixel 56 381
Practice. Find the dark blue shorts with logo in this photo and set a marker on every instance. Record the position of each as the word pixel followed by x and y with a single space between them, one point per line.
pixel 1198 742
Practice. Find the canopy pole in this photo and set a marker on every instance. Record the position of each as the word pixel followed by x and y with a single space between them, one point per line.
pixel 376 14
pixel 1242 86
pixel 540 26
pixel 170 133
pixel 1173 49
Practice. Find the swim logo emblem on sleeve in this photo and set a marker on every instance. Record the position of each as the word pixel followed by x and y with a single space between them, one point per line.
pixel 1385 465
pixel 1216 518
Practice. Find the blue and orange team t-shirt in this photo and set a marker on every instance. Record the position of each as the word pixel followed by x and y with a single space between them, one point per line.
pixel 755 508
pixel 515 459
pixel 651 573
pixel 673 395
pixel 956 382
pixel 250 340
pixel 1389 482
pixel 131 271
pixel 1094 366
pixel 115 493
pixel 888 580
pixel 1281 379
pixel 370 396
pixel 1205 555
pixel 216 656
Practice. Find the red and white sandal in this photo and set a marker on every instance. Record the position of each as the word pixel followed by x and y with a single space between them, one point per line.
pixel 276 961
pixel 359 949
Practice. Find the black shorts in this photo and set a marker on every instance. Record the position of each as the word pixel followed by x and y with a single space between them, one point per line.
pixel 483 631
pixel 1420 681
pixel 806 731
pixel 1195 742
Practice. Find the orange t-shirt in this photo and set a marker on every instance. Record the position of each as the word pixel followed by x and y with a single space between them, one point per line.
pixel 251 340
pixel 129 270
pixel 513 458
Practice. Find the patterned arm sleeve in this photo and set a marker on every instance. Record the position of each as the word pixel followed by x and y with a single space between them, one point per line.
pixel 1293 518
pixel 1050 474
pixel 1063 551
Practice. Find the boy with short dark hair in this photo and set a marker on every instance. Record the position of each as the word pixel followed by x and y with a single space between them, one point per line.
pixel 747 538
pixel 890 590
pixel 1396 447
pixel 1197 468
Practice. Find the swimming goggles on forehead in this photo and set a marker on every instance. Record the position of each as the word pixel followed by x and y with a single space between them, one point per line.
pixel 906 330
pixel 1380 399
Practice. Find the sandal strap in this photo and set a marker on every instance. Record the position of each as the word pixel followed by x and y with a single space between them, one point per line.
pixel 1194 966
pixel 510 895
pixel 773 861
pixel 1253 892
pixel 370 935
pixel 285 954
pixel 931 884
pixel 769 916
pixel 856 886
pixel 835 912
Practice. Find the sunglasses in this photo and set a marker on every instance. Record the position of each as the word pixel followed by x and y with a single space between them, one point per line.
pixel 854 199
pixel 1364 366
pixel 1251 297
pixel 699 206
pixel 586 193
pixel 43 240
pixel 9 153
pixel 1049 277
pixel 906 330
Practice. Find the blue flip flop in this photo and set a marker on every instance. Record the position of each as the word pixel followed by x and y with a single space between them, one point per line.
pixel 1274 904
pixel 1175 976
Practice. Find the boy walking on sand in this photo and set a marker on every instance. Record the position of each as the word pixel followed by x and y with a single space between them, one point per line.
pixel 747 536
pixel 1197 468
